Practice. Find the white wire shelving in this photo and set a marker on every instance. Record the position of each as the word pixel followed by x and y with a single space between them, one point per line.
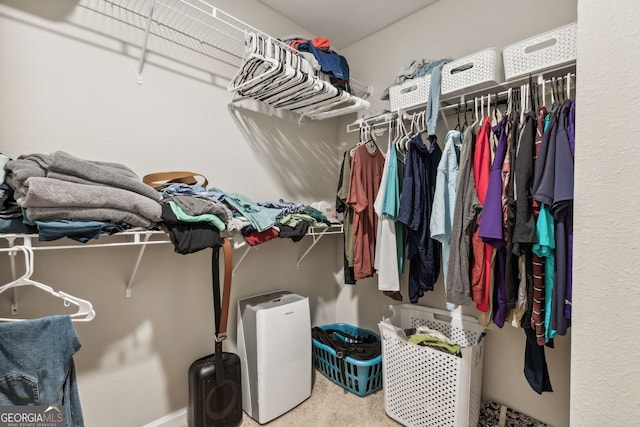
pixel 141 238
pixel 197 27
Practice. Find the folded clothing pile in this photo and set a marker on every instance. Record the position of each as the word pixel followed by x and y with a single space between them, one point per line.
pixel 59 186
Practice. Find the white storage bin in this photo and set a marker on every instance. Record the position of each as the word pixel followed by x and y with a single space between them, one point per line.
pixel 551 49
pixel 477 71
pixel 427 387
pixel 410 93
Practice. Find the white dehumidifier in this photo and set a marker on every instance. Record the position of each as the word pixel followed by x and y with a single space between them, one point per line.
pixel 274 345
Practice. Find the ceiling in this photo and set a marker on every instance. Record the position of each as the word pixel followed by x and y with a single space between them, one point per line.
pixel 345 22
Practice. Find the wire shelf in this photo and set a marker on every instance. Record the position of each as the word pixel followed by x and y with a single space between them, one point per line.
pixel 198 28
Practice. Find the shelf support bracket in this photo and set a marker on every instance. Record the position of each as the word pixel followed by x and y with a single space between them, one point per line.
pixel 146 40
pixel 242 257
pixel 127 290
pixel 316 239
pixel 14 296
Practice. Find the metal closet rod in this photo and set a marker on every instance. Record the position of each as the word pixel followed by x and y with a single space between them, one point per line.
pixel 504 93
pixel 383 120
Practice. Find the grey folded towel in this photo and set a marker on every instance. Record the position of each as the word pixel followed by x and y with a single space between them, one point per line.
pixel 49 193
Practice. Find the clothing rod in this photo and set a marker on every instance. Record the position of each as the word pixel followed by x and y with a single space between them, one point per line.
pixel 383 120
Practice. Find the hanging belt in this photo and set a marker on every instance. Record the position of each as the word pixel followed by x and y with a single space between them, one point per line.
pixel 221 310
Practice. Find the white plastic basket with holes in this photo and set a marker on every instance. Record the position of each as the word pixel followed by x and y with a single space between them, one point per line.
pixel 477 71
pixel 537 54
pixel 410 93
pixel 428 387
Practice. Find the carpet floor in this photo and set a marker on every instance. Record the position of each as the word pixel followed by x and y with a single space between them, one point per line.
pixel 331 405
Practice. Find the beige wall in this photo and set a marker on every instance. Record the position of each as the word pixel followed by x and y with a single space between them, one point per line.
pixel 604 383
pixel 68 82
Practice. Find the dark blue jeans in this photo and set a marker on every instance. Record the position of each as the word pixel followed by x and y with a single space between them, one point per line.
pixel 36 365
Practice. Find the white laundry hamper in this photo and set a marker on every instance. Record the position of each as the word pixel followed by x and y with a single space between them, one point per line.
pixel 427 387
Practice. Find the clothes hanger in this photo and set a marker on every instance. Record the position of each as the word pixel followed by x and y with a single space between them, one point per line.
pixel 290 84
pixel 85 311
pixel 260 65
pixel 466 123
pixel 361 137
pixel 356 104
pixel 346 104
pixel 322 93
pixel 496 112
pixel 401 132
pixel 296 79
pixel 458 127
pixel 285 73
pixel 370 143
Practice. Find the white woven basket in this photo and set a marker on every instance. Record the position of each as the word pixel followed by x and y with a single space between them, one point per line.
pixel 410 93
pixel 551 49
pixel 427 387
pixel 476 71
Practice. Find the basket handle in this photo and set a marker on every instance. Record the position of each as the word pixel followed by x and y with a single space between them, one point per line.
pixel 545 44
pixel 409 88
pixel 461 68
pixel 455 317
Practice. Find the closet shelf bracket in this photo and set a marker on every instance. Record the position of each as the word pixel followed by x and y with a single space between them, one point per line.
pixel 317 235
pixel 143 51
pixel 14 308
pixel 127 290
pixel 242 257
pixel 135 238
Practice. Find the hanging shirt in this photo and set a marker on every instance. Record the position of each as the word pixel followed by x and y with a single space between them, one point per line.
pixel 466 212
pixel 480 271
pixel 385 251
pixel 524 234
pixel 491 229
pixel 364 183
pixel 418 187
pixel 538 307
pixel 444 198
pixel 508 206
pixel 563 214
pixel 491 226
pixel 391 203
pixel 545 230
pixel 524 227
pixel 347 222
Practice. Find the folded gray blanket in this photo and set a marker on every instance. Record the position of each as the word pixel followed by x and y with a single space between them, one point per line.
pixel 89 214
pixel 63 166
pixel 55 193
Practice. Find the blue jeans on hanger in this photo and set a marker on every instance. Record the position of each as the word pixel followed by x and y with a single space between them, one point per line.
pixel 36 365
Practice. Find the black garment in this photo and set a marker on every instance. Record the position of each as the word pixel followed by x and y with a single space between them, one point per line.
pixel 189 237
pixel 511 278
pixel 524 230
pixel 341 205
pixel 296 234
pixel 535 364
